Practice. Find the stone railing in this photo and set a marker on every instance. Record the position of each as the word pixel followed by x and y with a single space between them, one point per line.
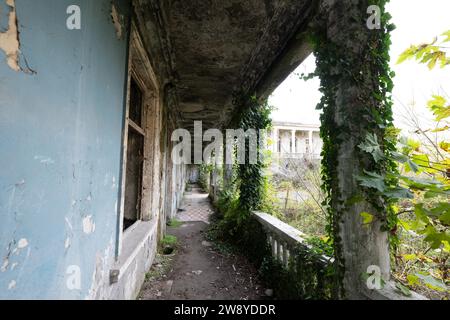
pixel 305 272
pixel 284 239
pixel 309 271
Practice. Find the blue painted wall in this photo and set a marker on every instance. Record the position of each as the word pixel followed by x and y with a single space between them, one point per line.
pixel 60 147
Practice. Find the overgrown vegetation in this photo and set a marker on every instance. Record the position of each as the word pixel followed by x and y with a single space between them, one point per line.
pixel 407 189
pixel 421 260
pixel 299 197
pixel 251 190
pixel 368 72
pixel 174 223
pixel 416 185
pixel 204 176
pixel 169 240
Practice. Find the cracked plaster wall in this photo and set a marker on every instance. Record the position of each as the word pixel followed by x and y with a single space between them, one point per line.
pixel 60 139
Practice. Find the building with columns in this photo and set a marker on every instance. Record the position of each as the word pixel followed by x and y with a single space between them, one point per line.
pixel 296 141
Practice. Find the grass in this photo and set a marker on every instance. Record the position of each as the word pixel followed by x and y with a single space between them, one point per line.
pixel 215 235
pixel 165 266
pixel 169 240
pixel 174 223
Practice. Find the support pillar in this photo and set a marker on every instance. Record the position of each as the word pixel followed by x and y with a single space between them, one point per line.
pixel 359 247
pixel 275 140
pixel 310 137
pixel 293 142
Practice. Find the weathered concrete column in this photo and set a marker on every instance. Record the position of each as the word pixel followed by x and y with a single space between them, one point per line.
pixel 310 137
pixel 362 248
pixel 293 142
pixel 275 140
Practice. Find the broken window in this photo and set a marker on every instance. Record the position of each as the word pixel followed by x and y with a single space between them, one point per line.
pixel 135 157
pixel 135 113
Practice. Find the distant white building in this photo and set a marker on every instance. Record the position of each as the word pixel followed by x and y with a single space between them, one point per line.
pixel 296 141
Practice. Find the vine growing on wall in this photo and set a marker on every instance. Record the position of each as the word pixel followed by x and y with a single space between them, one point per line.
pixel 369 72
pixel 204 175
pixel 249 182
pixel 306 278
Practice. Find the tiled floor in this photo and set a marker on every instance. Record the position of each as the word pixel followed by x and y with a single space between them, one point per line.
pixel 196 206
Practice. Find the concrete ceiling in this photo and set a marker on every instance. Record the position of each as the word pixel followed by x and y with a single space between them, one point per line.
pixel 214 48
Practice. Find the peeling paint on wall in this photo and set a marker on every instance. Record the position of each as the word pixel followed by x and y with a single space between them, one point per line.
pixel 117 21
pixel 12 285
pixel 68 222
pixel 88 225
pixel 114 184
pixel 100 276
pixel 44 160
pixel 9 40
pixel 67 244
pixel 23 243
pixel 10 43
pixel 4 265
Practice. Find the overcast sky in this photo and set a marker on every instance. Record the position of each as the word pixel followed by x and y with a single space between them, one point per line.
pixel 417 21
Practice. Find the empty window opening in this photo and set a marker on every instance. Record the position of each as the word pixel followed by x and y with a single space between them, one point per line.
pixel 135 158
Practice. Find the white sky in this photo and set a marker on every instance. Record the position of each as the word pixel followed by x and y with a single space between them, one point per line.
pixel 417 21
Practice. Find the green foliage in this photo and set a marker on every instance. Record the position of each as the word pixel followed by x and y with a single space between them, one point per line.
pixel 321 245
pixel 305 279
pixel 440 108
pixel 226 197
pixel 169 240
pixel 423 185
pixel 429 53
pixel 370 73
pixel 371 146
pixel 432 187
pixel 249 188
pixel 204 175
pixel 174 223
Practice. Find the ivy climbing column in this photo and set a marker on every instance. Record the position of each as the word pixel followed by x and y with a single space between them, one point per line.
pixel 352 63
pixel 227 163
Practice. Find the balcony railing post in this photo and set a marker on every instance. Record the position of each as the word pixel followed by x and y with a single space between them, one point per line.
pixel 285 255
pixel 279 250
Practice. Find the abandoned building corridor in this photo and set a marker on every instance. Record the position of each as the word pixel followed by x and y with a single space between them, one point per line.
pixel 95 116
pixel 198 270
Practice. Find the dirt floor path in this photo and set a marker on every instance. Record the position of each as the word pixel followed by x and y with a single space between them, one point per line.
pixel 197 271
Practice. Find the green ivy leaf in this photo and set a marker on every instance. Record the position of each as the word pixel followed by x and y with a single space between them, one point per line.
pixel 367 217
pixel 371 146
pixel 372 180
pixel 409 257
pixel 435 238
pixel 422 184
pixel 411 166
pixel 399 193
pixel 446 34
pixel 442 129
pixel 445 146
pixel 412 279
pixel 432 282
pixel 438 106
pixel 404 290
pixel 442 212
pixel 422 214
pixel 399 157
pixel 407 54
